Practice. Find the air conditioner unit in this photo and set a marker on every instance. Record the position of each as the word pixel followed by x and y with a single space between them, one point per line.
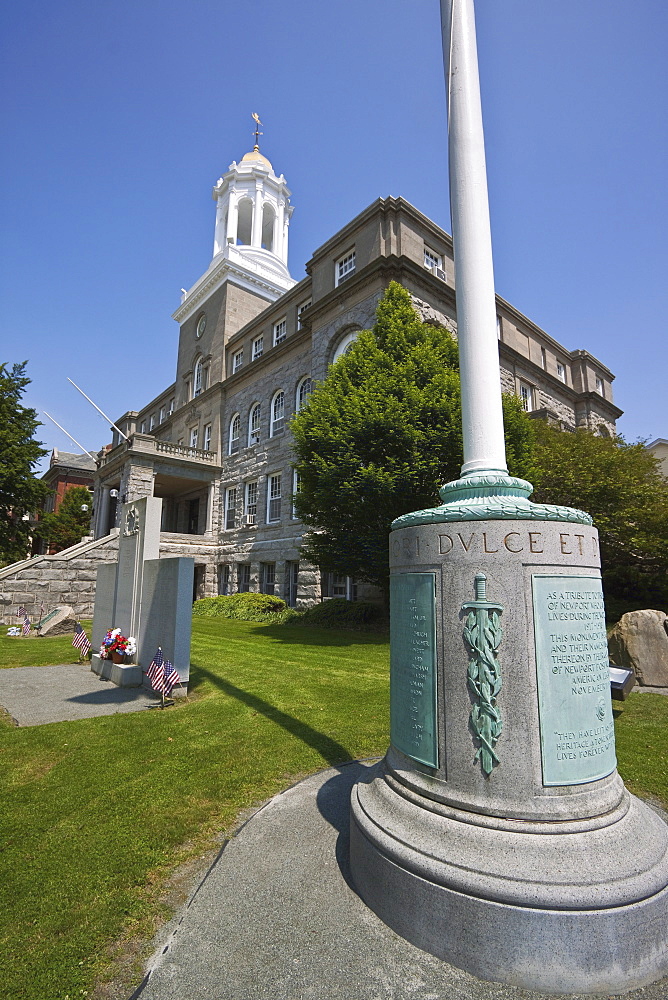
pixel 438 272
pixel 251 518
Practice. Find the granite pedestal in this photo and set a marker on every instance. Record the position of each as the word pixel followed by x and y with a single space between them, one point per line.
pixel 496 833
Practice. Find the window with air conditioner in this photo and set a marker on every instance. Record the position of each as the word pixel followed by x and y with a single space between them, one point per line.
pixel 250 505
pixel 432 259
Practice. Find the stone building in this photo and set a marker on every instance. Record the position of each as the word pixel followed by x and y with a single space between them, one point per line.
pixel 215 444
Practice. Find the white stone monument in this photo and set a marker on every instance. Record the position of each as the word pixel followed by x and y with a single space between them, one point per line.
pixel 145 596
pixel 496 833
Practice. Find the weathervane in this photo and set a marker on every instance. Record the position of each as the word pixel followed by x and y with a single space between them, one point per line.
pixel 257 133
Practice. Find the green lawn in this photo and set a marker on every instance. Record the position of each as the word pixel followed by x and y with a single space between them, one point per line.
pixel 38 651
pixel 97 812
pixel 93 810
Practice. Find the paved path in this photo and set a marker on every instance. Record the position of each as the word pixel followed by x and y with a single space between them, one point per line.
pixel 275 918
pixel 36 695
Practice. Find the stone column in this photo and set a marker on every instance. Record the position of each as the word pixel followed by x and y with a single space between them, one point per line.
pixel 256 231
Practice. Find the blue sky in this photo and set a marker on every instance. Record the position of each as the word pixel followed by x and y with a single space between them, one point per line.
pixel 122 116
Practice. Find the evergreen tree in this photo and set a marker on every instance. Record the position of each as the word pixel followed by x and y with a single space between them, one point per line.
pixel 380 435
pixel 69 523
pixel 20 492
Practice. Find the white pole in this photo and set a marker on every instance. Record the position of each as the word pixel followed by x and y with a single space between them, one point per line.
pixel 124 436
pixel 69 435
pixel 482 415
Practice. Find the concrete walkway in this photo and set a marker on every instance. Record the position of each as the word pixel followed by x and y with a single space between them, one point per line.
pixel 275 918
pixel 34 696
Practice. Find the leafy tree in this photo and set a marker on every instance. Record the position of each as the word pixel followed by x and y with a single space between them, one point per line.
pixel 380 435
pixel 65 527
pixel 20 492
pixel 620 486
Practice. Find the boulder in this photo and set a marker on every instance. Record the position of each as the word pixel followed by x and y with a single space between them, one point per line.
pixel 639 642
pixel 59 621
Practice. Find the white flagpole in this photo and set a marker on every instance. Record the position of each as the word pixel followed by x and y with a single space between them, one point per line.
pixel 482 415
pixel 124 436
pixel 69 435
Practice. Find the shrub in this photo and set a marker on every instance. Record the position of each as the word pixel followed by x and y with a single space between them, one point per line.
pixel 340 613
pixel 244 607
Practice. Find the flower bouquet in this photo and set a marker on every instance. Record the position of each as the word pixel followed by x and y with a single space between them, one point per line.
pixel 116 646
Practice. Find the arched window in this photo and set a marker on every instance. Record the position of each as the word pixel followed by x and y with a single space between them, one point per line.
pixel 304 390
pixel 254 424
pixel 244 222
pixel 344 344
pixel 268 217
pixel 197 377
pixel 277 413
pixel 235 427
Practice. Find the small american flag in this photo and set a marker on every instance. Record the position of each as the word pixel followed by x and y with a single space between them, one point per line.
pixel 21 613
pixel 26 626
pixel 80 640
pixel 156 671
pixel 171 678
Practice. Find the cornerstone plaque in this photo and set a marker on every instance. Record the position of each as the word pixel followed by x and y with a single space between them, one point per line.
pixel 574 705
pixel 413 666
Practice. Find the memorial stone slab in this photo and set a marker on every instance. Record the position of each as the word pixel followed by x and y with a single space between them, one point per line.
pixel 145 597
pixel 167 613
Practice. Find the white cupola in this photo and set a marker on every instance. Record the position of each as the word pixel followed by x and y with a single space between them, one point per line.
pixel 252 217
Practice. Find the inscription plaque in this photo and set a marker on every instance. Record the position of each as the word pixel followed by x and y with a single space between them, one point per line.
pixel 574 704
pixel 413 727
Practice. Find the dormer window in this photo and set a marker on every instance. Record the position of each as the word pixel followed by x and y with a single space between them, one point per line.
pixel 345 266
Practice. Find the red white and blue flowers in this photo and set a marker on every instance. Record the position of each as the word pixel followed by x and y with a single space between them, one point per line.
pixel 114 642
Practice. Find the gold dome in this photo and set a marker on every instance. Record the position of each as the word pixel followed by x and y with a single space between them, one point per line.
pixel 256 157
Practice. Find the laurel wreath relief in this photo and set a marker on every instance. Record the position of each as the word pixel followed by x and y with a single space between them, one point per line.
pixel 483 635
